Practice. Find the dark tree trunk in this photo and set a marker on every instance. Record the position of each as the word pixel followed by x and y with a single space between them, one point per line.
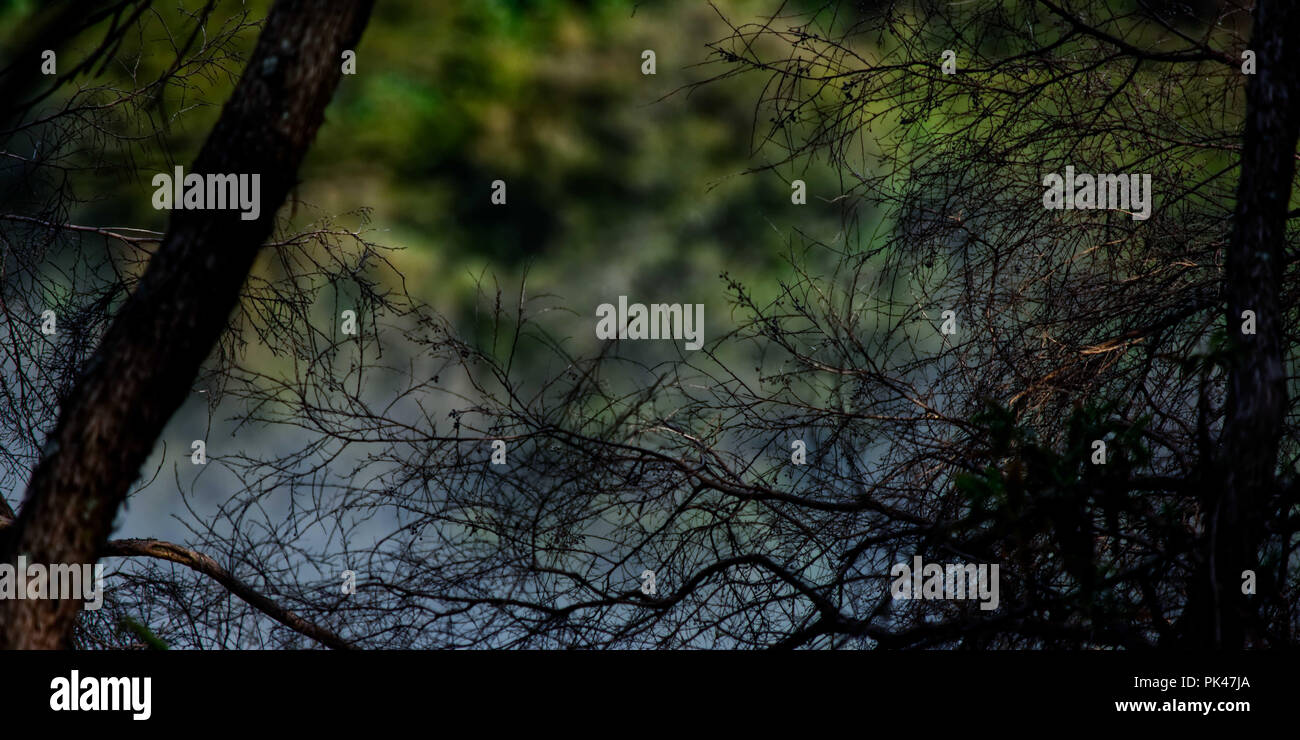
pixel 143 369
pixel 1221 615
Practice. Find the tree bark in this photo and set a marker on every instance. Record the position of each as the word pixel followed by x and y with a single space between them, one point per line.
pixel 143 369
pixel 1257 394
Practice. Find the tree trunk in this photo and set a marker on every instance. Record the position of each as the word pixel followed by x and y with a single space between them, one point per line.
pixel 1257 395
pixel 143 369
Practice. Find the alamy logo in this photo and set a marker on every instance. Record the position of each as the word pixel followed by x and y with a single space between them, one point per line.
pixel 195 192
pixel 658 321
pixel 1102 192
pixel 58 581
pixel 946 581
pixel 93 694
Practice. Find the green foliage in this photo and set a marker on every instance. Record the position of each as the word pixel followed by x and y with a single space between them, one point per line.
pixel 1042 504
pixel 617 181
pixel 146 635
